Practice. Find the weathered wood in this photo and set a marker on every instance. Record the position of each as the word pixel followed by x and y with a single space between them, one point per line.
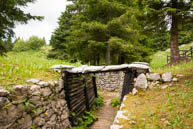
pixel 78 104
pixel 81 92
pixel 127 85
pixel 77 100
pixel 76 93
pixel 86 97
pixel 95 86
pixel 66 88
pixel 79 112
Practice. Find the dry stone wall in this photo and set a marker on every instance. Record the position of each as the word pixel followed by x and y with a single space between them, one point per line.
pixel 37 105
pixel 110 81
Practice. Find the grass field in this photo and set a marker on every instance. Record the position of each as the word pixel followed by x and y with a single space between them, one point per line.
pixel 161 109
pixel 15 68
pixel 171 108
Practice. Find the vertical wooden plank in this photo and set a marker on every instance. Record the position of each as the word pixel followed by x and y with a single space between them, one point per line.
pixel 86 94
pixel 127 85
pixel 124 86
pixel 94 85
pixel 67 92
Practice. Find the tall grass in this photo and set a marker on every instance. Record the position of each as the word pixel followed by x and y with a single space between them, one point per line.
pixel 15 68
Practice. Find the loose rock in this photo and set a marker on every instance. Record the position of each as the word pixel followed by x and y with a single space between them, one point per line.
pixel 154 76
pixel 175 79
pixel 141 82
pixel 164 87
pixel 134 91
pixel 167 77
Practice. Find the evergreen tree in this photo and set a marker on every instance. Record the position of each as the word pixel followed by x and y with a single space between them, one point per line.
pixel 164 14
pixel 99 31
pixel 10 14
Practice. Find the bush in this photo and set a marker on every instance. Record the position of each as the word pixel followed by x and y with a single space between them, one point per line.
pixel 116 102
pixel 20 46
pixel 34 43
pixel 85 121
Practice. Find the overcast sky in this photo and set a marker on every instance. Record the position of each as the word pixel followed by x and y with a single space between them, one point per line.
pixel 51 10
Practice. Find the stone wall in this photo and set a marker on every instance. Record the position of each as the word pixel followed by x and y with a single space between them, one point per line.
pixel 37 105
pixel 110 80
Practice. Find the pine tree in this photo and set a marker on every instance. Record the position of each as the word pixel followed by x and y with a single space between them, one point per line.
pixel 164 14
pixel 98 32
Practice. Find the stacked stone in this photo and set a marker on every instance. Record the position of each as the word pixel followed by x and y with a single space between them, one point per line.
pixel 38 105
pixel 150 80
pixel 110 81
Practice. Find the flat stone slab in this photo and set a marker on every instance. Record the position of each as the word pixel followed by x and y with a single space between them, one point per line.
pixel 85 68
pixel 33 80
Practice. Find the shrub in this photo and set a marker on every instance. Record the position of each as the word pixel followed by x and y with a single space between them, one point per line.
pixel 20 46
pixel 99 102
pixel 35 43
pixel 89 117
pixel 116 102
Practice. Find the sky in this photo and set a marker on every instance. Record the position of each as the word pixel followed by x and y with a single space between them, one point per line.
pixel 50 10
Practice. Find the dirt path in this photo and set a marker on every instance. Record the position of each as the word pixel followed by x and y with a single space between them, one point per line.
pixel 107 113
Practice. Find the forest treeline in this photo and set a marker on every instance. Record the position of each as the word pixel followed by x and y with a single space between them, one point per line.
pixel 99 32
pixel 119 31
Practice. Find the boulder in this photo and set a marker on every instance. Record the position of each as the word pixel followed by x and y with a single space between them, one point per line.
pixel 141 82
pixel 167 77
pixel 154 76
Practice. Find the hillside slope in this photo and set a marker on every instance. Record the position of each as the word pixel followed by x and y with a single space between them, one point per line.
pixel 158 108
pixel 159 60
pixel 15 68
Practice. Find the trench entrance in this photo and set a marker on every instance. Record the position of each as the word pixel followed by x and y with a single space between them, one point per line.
pixel 81 90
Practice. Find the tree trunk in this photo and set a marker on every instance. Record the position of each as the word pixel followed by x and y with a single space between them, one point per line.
pixel 175 56
pixel 108 54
